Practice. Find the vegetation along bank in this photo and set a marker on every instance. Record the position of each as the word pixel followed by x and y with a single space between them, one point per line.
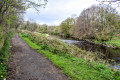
pixel 74 66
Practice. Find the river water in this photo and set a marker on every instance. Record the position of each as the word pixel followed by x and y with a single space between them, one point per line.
pixel 109 53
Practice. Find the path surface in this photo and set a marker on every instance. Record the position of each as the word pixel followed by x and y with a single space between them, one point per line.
pixel 26 64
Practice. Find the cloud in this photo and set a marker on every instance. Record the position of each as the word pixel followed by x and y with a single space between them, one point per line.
pixel 57 11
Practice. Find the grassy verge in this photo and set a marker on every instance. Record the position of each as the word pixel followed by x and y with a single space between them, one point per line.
pixel 75 68
pixel 4 57
pixel 112 43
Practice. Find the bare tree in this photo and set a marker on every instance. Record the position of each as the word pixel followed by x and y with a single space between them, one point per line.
pixel 97 20
pixel 112 2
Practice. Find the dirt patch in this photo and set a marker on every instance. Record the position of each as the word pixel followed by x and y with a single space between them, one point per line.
pixel 27 64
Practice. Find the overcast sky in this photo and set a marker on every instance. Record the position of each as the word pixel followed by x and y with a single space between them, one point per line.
pixel 58 10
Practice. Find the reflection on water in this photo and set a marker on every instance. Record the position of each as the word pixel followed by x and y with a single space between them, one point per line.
pixel 70 41
pixel 109 53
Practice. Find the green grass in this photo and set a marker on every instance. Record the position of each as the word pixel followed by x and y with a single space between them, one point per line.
pixel 112 43
pixel 4 57
pixel 75 68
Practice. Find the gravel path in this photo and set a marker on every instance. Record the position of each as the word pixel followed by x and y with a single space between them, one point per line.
pixel 27 64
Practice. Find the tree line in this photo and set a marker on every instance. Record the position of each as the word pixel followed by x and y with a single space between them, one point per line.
pixel 11 13
pixel 100 22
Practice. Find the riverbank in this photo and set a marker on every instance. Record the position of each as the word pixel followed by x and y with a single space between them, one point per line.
pixel 106 52
pixel 75 68
pixel 113 43
pixel 103 51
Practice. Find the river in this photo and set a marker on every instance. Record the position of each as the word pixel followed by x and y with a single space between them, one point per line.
pixel 109 53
